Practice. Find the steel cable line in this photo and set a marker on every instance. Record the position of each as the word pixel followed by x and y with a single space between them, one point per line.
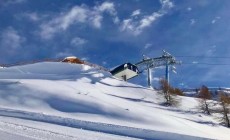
pixel 204 63
pixel 211 57
pixel 213 64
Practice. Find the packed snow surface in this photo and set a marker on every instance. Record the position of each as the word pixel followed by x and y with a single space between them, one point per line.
pixel 53 100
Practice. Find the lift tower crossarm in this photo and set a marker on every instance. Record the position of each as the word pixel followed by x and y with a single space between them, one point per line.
pixel 165 60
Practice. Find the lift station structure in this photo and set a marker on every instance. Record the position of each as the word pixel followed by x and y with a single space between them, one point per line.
pixel 127 71
pixel 148 64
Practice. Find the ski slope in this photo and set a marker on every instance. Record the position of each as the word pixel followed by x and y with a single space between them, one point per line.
pixel 52 100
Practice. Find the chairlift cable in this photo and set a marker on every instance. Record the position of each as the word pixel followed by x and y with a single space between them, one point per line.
pixel 211 57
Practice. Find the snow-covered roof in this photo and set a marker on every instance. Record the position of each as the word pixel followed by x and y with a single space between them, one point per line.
pixel 71 57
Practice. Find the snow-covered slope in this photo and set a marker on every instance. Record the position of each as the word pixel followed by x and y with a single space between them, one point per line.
pixel 69 101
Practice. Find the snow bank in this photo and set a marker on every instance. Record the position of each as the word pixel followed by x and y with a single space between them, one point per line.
pixel 84 97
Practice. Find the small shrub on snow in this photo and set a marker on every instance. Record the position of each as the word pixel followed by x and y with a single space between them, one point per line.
pixel 204 101
pixel 224 109
pixel 169 93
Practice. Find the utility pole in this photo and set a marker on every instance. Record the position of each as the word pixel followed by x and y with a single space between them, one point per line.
pixel 149 77
pixel 167 72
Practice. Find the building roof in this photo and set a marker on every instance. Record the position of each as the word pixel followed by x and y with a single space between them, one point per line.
pixel 121 67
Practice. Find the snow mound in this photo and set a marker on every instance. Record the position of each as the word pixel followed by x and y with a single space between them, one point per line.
pixel 80 96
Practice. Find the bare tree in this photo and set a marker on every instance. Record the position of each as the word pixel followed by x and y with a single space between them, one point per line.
pixel 204 103
pixel 224 109
pixel 168 93
pixel 177 91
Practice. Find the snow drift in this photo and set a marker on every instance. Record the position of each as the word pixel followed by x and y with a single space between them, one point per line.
pixel 80 96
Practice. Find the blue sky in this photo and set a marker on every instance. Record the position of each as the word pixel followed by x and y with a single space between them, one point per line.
pixel 110 33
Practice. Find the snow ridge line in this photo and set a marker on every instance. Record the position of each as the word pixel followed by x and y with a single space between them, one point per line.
pixel 96 126
pixel 54 60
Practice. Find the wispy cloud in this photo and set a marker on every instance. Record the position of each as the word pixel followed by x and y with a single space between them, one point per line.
pixel 189 9
pixel 211 51
pixel 215 20
pixel 32 16
pixel 147 45
pixel 63 21
pixel 136 26
pixel 77 41
pixel 192 21
pixel 78 15
pixel 157 79
pixel 35 17
pixel 11 39
pixel 106 6
pixel 11 2
pixel 136 12
pixel 11 43
pixel 195 62
pixel 63 54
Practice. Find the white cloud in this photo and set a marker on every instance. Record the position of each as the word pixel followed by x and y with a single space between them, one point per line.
pixel 85 58
pixel 11 39
pixel 189 9
pixel 183 85
pixel 11 2
pixel 147 45
pixel 136 26
pixel 136 12
pixel 166 5
pixel 148 20
pixel 116 20
pixel 195 62
pixel 61 23
pixel 128 24
pixel 77 41
pixel 106 7
pixel 96 20
pixel 156 79
pixel 211 50
pixel 104 63
pixel 192 21
pixel 78 15
pixel 32 16
pixel 63 54
pixel 215 20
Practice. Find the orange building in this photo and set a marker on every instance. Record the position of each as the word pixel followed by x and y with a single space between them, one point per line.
pixel 73 59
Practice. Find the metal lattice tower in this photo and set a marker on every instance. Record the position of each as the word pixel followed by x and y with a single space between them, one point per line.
pixel 149 63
